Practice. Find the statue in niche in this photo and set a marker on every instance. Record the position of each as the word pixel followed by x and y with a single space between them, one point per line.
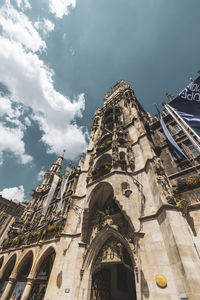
pixel 130 156
pixel 163 180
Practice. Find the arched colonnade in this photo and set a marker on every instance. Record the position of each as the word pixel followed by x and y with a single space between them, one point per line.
pixel 26 273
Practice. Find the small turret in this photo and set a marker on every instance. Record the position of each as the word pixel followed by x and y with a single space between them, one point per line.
pixel 56 167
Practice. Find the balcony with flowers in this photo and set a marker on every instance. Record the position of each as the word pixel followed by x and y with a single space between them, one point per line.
pixel 104 144
pixel 102 167
pixel 33 237
pixel 187 189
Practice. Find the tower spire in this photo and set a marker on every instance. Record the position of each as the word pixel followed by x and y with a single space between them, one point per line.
pixel 56 167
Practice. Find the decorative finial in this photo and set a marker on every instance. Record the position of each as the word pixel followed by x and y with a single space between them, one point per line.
pixel 169 96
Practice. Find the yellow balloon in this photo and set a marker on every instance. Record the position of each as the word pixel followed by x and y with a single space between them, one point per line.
pixel 161 281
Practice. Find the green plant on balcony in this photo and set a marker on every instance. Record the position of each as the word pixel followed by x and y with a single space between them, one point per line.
pixel 101 171
pixel 28 237
pixel 5 245
pixel 58 229
pixel 189 183
pixel 103 146
pixel 16 242
pixel 36 235
pixel 177 197
pixel 101 219
pixel 51 228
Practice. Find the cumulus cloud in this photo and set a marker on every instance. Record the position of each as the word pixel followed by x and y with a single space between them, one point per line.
pixel 12 141
pixel 23 4
pixel 30 82
pixel 61 7
pixel 5 107
pixel 19 29
pixel 12 132
pixel 40 175
pixel 45 26
pixel 15 193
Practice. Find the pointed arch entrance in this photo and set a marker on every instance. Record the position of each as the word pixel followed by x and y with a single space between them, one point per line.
pixel 23 270
pixel 112 273
pixel 7 270
pixel 43 271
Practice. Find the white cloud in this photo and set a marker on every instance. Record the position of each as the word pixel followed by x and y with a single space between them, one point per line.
pixel 5 106
pixel 23 4
pixel 17 28
pixel 30 82
pixel 12 141
pixel 40 175
pixel 45 26
pixel 27 121
pixel 61 7
pixel 15 193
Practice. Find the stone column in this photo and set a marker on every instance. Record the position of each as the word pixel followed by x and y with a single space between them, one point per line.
pixel 9 288
pixel 27 290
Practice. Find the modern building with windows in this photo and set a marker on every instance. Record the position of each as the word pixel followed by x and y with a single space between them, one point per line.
pixel 128 227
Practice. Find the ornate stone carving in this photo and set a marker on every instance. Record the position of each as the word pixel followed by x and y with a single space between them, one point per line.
pixel 115 150
pixel 163 180
pixel 130 156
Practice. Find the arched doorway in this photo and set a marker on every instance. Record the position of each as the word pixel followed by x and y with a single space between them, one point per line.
pixel 23 271
pixel 1 261
pixel 42 274
pixel 112 273
pixel 8 268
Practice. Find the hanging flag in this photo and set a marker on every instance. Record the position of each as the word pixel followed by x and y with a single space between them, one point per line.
pixel 63 185
pixel 176 151
pixel 187 105
pixel 50 194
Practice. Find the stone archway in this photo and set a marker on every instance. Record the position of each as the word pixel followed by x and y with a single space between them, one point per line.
pixel 1 261
pixel 112 273
pixel 22 273
pixel 42 273
pixel 103 209
pixel 118 261
pixel 6 272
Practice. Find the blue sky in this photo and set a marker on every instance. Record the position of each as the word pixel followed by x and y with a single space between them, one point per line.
pixel 59 57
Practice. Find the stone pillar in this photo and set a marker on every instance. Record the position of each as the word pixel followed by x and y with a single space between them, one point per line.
pixel 1 280
pixel 27 290
pixel 9 288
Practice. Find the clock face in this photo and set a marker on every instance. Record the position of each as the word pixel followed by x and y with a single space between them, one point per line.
pixel 161 281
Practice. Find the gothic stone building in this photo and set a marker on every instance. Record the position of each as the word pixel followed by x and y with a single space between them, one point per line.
pixel 9 211
pixel 129 224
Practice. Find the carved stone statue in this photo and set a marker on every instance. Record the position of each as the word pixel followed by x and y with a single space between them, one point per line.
pixel 163 180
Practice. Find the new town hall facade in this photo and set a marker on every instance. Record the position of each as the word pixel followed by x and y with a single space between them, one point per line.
pixel 130 218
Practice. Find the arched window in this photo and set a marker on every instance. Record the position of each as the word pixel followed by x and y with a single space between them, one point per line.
pixel 43 271
pixel 102 166
pixel 113 270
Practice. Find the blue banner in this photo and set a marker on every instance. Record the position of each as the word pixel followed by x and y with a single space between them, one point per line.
pixel 176 151
pixel 187 105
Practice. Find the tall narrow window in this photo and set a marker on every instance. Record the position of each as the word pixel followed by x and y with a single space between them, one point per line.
pixel 192 149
